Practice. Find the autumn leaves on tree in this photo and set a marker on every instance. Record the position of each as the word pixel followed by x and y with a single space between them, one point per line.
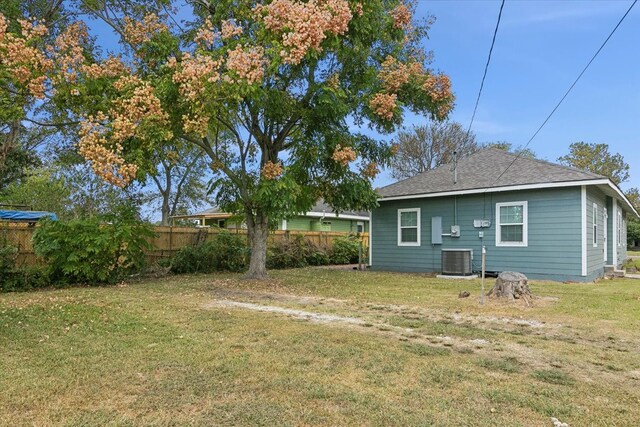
pixel 272 92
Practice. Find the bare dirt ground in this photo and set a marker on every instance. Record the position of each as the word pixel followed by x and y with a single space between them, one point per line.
pixel 415 324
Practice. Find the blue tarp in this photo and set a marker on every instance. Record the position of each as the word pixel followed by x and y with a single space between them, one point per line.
pixel 26 216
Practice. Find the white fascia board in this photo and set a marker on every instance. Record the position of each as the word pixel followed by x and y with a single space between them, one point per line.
pixel 605 181
pixel 497 189
pixel 333 215
pixel 583 225
pixel 623 198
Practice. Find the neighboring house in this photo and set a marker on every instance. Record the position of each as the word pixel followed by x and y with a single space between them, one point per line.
pixel 544 220
pixel 23 216
pixel 320 218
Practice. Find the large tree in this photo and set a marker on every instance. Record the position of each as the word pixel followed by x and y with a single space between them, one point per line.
pixel 41 189
pixel 428 146
pixel 73 191
pixel 633 229
pixel 267 90
pixel 596 158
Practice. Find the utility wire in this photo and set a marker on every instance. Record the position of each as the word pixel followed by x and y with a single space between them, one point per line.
pixel 567 92
pixel 486 67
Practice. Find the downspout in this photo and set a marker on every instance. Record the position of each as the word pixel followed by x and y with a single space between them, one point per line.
pixel 455 210
pixel 455 181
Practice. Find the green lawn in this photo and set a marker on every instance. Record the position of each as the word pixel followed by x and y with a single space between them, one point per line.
pixel 399 350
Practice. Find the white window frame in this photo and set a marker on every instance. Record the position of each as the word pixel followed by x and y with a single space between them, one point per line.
pixel 400 212
pixel 525 225
pixel 360 224
pixel 594 225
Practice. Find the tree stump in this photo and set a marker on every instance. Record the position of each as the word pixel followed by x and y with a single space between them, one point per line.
pixel 512 285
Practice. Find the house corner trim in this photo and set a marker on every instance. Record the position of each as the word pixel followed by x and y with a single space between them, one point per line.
pixel 614 232
pixel 583 206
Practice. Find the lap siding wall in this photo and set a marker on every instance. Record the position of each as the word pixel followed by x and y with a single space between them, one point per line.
pixel 554 248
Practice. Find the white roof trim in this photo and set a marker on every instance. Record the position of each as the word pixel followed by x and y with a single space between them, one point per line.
pixel 604 181
pixel 623 197
pixel 333 215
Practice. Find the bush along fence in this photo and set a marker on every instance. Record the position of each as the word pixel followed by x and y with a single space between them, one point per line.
pixel 92 251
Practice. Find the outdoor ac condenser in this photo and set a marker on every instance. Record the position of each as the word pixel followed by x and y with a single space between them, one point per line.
pixel 457 262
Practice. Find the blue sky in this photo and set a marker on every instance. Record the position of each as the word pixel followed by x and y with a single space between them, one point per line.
pixel 541 48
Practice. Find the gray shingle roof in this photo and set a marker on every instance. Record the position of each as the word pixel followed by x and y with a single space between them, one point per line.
pixel 481 170
pixel 322 207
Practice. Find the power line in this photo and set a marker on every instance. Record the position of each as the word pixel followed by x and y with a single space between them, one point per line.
pixel 486 67
pixel 567 92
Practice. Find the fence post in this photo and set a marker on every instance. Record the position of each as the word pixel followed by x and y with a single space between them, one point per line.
pixel 170 240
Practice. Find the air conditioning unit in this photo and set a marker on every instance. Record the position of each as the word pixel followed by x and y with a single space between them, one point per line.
pixel 457 262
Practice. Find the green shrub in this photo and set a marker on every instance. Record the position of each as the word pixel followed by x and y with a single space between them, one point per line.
pixel 295 252
pixel 25 279
pixel 345 250
pixel 90 251
pixel 18 279
pixel 189 259
pixel 224 252
pixel 7 258
pixel 317 255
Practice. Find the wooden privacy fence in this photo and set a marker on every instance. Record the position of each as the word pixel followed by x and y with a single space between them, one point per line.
pixel 19 235
pixel 168 240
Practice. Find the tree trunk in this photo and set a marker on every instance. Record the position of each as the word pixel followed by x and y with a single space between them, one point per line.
pixel 512 285
pixel 166 195
pixel 165 210
pixel 258 231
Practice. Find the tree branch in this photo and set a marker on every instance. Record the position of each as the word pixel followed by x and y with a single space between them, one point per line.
pixel 56 125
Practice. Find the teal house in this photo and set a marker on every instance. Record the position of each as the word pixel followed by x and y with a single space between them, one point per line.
pixel 544 220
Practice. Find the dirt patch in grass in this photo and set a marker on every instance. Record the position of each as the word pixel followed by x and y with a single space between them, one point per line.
pixel 499 354
pixel 437 321
pixel 362 324
pixel 300 314
pixel 229 289
pixel 463 332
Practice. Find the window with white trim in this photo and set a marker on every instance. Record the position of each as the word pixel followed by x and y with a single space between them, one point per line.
pixel 595 225
pixel 512 224
pixel 409 227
